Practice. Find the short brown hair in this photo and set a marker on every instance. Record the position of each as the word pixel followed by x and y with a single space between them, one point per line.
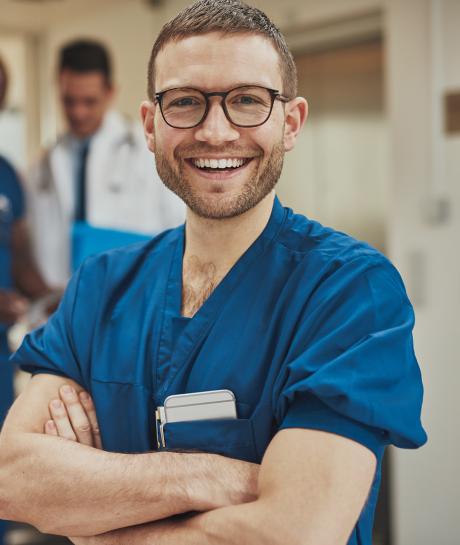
pixel 227 17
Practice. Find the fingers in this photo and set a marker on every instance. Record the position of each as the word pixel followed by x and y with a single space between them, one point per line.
pixel 61 420
pixel 74 417
pixel 88 405
pixel 50 428
pixel 79 420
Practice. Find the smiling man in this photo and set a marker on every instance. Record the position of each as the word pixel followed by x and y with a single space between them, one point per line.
pixel 309 329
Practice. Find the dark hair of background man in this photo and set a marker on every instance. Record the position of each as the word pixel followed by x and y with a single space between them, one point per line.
pixel 86 56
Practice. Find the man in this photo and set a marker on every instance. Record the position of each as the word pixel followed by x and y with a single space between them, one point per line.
pixel 19 279
pixel 310 330
pixel 98 174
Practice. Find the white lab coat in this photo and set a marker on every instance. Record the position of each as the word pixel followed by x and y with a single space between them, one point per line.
pixel 123 191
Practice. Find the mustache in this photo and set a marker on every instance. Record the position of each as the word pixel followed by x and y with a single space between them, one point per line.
pixel 229 149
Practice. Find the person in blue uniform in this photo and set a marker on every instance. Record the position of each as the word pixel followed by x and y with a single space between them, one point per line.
pixel 310 329
pixel 12 305
pixel 18 276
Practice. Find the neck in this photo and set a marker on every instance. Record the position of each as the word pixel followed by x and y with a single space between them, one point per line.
pixel 212 247
pixel 222 242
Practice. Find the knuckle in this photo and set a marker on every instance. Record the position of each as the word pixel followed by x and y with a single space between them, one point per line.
pixel 86 399
pixel 56 406
pixel 83 428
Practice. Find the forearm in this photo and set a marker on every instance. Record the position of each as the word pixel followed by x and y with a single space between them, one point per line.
pixel 312 488
pixel 30 283
pixel 26 275
pixel 247 524
pixel 99 491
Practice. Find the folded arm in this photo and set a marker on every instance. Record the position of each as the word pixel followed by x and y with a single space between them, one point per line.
pixel 312 488
pixel 69 488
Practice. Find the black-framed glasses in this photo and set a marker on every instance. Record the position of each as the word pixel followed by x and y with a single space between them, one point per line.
pixel 244 106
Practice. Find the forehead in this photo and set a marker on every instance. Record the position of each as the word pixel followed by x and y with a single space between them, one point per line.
pixel 82 82
pixel 217 61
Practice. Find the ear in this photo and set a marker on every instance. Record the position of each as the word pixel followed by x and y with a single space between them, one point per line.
pixel 111 92
pixel 109 95
pixel 147 111
pixel 296 113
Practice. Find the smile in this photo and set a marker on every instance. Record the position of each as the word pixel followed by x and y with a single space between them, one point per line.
pixel 219 164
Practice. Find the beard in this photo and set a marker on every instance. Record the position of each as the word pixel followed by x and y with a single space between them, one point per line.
pixel 219 205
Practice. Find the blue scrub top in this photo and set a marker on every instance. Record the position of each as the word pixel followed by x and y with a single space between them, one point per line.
pixel 309 329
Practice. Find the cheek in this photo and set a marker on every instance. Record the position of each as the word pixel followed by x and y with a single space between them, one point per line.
pixel 165 140
pixel 270 140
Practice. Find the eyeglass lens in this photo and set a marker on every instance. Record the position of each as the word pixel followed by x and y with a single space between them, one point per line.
pixel 246 106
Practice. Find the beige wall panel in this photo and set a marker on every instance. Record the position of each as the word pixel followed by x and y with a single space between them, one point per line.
pixel 423 45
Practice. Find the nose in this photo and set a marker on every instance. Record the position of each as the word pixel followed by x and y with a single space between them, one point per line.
pixel 78 111
pixel 216 129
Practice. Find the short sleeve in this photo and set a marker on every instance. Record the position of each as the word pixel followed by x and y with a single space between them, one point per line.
pixel 51 348
pixel 11 185
pixel 351 368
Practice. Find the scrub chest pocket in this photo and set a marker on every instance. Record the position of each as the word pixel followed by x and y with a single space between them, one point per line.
pixel 229 437
pixel 127 417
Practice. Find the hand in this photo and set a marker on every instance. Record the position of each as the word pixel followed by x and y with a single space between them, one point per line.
pixel 12 306
pixel 73 417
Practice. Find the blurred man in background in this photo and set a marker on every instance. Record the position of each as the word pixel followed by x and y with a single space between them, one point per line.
pixel 19 279
pixel 97 187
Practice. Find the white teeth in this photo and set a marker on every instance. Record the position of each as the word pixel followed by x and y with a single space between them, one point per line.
pixel 218 163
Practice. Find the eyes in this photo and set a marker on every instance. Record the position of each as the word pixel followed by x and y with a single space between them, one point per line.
pixel 186 101
pixel 245 106
pixel 246 100
pixel 238 100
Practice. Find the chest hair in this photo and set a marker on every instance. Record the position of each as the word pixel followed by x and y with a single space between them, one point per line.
pixel 198 282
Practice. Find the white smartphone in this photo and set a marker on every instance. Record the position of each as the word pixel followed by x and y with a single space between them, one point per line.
pixel 211 405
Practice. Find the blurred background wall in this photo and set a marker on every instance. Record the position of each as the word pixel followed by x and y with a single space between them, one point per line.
pixel 375 159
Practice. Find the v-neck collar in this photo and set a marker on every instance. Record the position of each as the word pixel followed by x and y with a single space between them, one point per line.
pixel 175 278
pixel 177 354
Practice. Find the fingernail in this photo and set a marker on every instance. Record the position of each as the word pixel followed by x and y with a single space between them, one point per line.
pixel 50 425
pixel 56 404
pixel 67 390
pixel 85 396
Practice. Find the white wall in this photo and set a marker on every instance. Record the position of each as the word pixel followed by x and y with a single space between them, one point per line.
pixel 427 484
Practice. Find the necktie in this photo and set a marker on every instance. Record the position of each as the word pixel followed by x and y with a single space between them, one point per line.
pixel 80 209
